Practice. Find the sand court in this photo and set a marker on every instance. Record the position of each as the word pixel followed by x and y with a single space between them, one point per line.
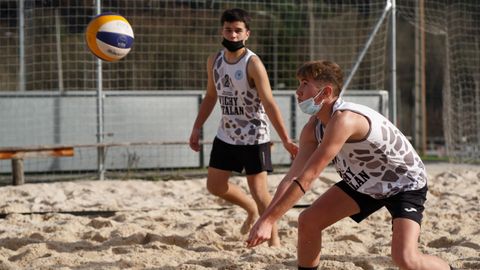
pixel 136 224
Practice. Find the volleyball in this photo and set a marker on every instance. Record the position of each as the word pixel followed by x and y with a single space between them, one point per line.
pixel 109 36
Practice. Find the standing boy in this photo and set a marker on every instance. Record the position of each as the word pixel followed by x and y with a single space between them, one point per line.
pixel 239 81
pixel 377 164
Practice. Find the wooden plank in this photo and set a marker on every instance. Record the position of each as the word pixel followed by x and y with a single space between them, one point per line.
pixel 34 148
pixel 7 154
pixel 60 150
pixel 20 154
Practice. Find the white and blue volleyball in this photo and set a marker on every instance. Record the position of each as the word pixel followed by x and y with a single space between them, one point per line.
pixel 109 36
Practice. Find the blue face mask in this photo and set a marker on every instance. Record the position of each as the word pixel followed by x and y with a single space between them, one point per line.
pixel 308 106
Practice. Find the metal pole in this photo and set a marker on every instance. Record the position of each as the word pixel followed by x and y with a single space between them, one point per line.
pixel 21 47
pixel 311 30
pixel 393 117
pixel 420 96
pixel 293 117
pixel 202 148
pixel 59 51
pixel 100 149
pixel 388 6
pixel 57 108
pixel 275 52
pixel 448 121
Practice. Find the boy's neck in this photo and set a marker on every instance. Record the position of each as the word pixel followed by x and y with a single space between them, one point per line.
pixel 326 112
pixel 234 56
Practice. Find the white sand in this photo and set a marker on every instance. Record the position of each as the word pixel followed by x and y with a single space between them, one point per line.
pixel 178 225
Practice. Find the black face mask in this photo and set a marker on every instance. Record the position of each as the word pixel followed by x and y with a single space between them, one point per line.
pixel 232 46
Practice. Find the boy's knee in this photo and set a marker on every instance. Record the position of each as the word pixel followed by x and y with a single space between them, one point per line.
pixel 305 223
pixel 302 219
pixel 215 189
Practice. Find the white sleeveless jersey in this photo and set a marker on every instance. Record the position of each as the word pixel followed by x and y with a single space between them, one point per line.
pixel 383 164
pixel 244 121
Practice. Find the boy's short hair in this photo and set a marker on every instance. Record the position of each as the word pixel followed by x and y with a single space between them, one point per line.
pixel 322 71
pixel 236 15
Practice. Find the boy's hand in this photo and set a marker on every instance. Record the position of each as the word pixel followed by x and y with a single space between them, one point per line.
pixel 194 139
pixel 260 232
pixel 291 147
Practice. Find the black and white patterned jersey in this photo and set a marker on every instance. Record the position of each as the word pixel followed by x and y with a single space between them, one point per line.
pixel 244 121
pixel 381 165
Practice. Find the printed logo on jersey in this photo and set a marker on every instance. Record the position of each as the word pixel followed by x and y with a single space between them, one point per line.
pixel 238 75
pixel 226 81
pixel 411 209
pixel 354 180
pixel 230 105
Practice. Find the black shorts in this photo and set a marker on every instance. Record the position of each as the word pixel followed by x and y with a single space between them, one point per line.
pixel 408 204
pixel 253 158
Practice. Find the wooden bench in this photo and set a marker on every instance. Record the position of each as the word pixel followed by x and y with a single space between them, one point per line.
pixel 18 154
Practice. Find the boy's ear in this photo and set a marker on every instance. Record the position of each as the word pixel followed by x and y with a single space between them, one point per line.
pixel 328 90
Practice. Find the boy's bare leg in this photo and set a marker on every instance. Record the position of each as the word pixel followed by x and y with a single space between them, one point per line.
pixel 259 190
pixel 405 251
pixel 218 185
pixel 275 240
pixel 248 223
pixel 330 207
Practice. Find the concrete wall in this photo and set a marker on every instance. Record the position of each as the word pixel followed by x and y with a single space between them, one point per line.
pixel 45 118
